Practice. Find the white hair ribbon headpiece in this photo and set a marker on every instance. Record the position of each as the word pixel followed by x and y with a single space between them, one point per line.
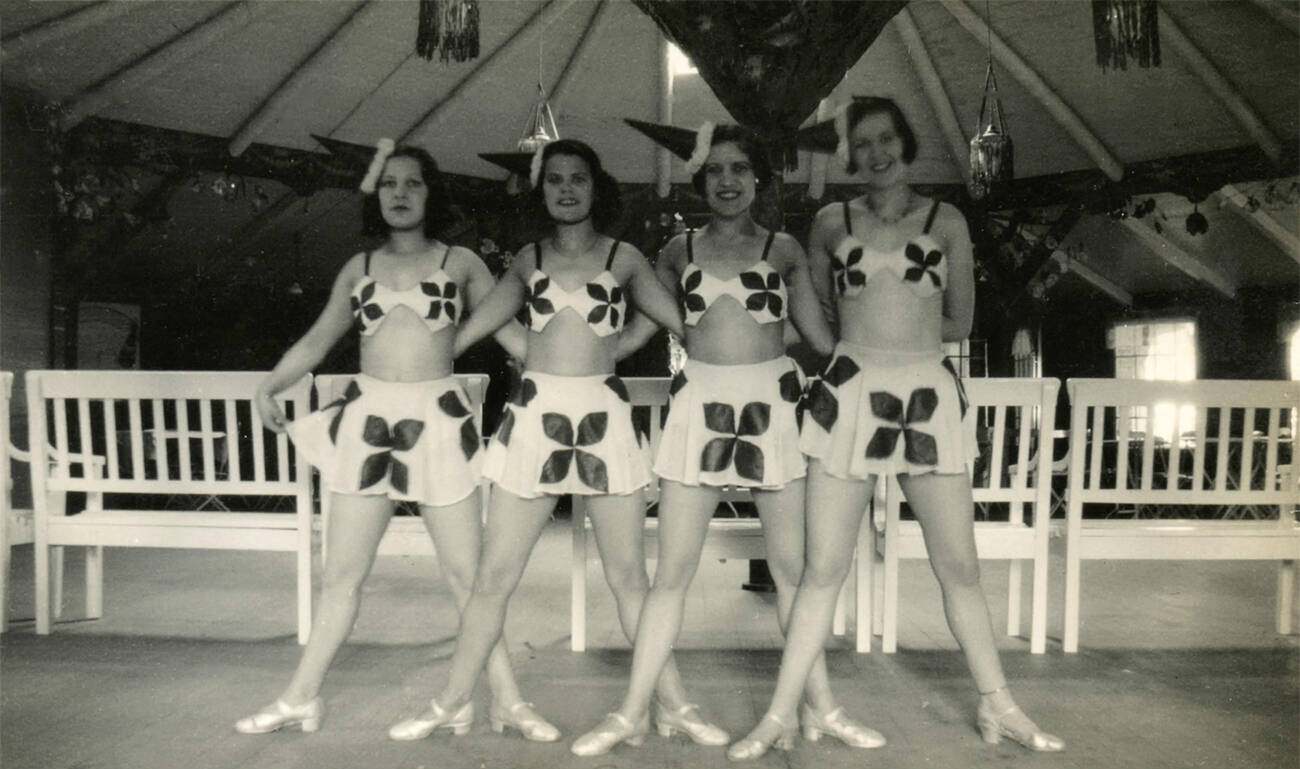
pixel 842 131
pixel 535 168
pixel 703 142
pixel 383 148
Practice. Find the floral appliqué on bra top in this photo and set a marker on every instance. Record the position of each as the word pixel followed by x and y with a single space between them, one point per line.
pixel 919 264
pixel 601 301
pixel 435 299
pixel 760 289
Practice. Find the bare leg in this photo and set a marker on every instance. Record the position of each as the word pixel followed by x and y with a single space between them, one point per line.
pixel 354 533
pixel 513 526
pixel 457 533
pixel 834 512
pixel 684 513
pixel 942 504
pixel 619 524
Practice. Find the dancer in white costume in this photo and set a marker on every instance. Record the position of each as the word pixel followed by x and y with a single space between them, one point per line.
pixel 568 429
pixel 404 429
pixel 896 271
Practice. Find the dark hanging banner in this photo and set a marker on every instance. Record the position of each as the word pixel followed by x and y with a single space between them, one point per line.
pixel 771 62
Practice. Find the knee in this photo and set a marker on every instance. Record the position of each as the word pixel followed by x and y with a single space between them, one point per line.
pixel 495 581
pixel 460 578
pixel 673 576
pixel 786 571
pixel 957 571
pixel 342 581
pixel 824 573
pixel 627 579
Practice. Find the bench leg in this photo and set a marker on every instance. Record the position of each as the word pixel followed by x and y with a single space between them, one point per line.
pixel 304 566
pixel 1013 597
pixel 864 590
pixel 839 621
pixel 1070 639
pixel 1285 596
pixel 578 579
pixel 43 589
pixel 56 581
pixel 94 582
pixel 1038 612
pixel 4 583
pixel 889 634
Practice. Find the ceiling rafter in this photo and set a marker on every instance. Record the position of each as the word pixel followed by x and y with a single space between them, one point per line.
pixel 1218 85
pixel 531 24
pixel 923 64
pixel 51 31
pixel 154 63
pixel 276 102
pixel 663 158
pixel 1096 279
pixel 584 42
pixel 1039 89
pixel 1236 200
pixel 1285 14
pixel 1174 255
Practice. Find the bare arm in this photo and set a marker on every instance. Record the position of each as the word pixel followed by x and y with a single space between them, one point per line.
pixel 334 321
pixel 805 309
pixel 641 328
pixel 649 293
pixel 495 311
pixel 959 295
pixel 512 337
pixel 826 228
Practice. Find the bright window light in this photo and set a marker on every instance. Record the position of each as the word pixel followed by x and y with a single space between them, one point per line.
pixel 679 63
pixel 1163 350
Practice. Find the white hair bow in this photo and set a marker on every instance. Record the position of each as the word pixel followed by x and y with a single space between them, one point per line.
pixel 383 148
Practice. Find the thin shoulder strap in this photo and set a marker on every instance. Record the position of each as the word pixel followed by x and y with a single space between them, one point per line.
pixel 610 261
pixel 366 271
pixel 446 253
pixel 771 236
pixel 848 220
pixel 929 220
pixel 537 255
pixel 690 250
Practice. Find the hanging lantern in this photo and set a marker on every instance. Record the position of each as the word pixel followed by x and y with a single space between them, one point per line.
pixel 449 27
pixel 1124 29
pixel 991 151
pixel 540 129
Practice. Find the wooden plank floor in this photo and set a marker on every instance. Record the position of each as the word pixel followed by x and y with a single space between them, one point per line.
pixel 1180 668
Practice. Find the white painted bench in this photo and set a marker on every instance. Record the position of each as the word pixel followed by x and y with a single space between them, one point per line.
pixel 728 538
pixel 406 535
pixel 166 434
pixel 1236 447
pixel 1005 407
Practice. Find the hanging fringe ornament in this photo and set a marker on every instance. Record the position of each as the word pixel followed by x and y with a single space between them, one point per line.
pixel 1124 29
pixel 703 143
pixel 448 27
pixel 991 152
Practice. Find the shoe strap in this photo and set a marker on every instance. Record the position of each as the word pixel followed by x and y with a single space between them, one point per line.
pixel 774 718
pixel 622 719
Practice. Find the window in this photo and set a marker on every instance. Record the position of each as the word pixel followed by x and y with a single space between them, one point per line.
pixel 679 63
pixel 1158 350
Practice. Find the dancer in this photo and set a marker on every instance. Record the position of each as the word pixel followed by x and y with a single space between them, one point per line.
pixel 733 421
pixel 568 429
pixel 405 298
pixel 898 268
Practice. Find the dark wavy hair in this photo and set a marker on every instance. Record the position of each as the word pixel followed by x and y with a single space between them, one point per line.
pixel 861 106
pixel 438 213
pixel 749 144
pixel 606 204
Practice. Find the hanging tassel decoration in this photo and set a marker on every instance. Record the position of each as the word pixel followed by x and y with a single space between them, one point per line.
pixel 449 28
pixel 1126 29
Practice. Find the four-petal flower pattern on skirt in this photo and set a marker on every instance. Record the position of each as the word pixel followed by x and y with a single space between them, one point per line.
pixel 350 393
pixel 606 302
pixel 591 431
pixel 822 404
pixel 923 264
pixel 721 453
pixel 526 392
pixel 402 436
pixel 763 292
pixel 849 276
pixel 442 299
pixel 452 406
pixel 919 448
pixel 791 389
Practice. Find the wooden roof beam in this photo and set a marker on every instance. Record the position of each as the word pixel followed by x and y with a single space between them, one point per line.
pixel 1284 13
pixel 531 24
pixel 1218 85
pixel 1269 227
pixel 154 63
pixel 1100 282
pixel 53 30
pixel 584 42
pixel 1040 90
pixel 923 64
pixel 1167 250
pixel 274 105
pixel 664 158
